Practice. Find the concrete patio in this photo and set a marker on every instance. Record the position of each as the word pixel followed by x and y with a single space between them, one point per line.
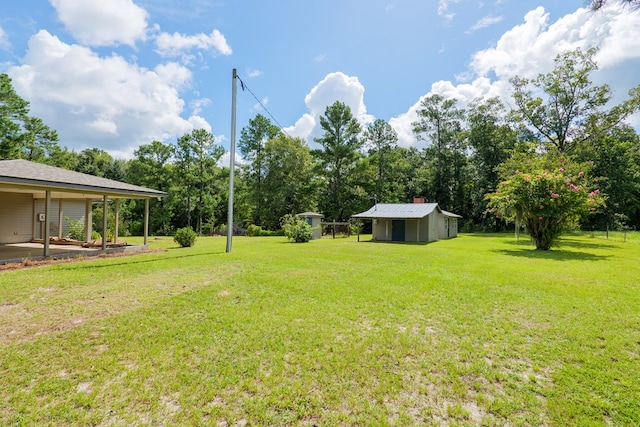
pixel 18 252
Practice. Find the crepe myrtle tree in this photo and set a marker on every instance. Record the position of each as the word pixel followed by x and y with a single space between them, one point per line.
pixel 547 194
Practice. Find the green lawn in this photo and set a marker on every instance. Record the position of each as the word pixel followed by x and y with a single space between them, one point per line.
pixel 478 330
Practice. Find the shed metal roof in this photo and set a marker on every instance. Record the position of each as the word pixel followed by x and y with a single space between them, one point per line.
pixel 311 215
pixel 25 176
pixel 399 210
pixel 450 214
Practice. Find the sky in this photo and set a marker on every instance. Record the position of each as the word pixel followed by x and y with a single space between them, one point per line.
pixel 117 74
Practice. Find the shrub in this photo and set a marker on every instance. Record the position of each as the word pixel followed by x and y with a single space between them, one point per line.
pixel 76 228
pixel 296 229
pixel 185 237
pixel 254 230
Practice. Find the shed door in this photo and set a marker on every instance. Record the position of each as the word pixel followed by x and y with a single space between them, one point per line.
pixel 397 230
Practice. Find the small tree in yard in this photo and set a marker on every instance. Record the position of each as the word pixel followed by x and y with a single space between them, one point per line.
pixel 547 194
pixel 296 228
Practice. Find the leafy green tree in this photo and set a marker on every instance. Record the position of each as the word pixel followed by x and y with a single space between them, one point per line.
pixel 616 163
pixel 440 125
pixel 491 140
pixel 337 159
pixel 152 168
pixel 381 140
pixel 97 162
pixel 62 158
pixel 289 185
pixel 569 109
pixel 546 194
pixel 251 144
pixel 22 136
pixel 196 158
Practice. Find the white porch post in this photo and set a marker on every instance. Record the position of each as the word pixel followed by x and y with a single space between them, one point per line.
pixel 60 213
pixel 116 214
pixel 146 221
pixel 47 211
pixel 88 220
pixel 105 209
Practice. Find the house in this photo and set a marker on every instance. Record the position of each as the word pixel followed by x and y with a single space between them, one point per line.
pixel 37 199
pixel 315 221
pixel 410 222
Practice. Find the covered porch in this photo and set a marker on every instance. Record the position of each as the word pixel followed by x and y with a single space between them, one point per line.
pixel 33 200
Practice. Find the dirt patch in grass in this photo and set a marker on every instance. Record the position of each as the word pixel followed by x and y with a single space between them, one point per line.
pixel 52 309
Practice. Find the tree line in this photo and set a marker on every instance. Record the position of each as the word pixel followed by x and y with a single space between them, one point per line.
pixel 467 152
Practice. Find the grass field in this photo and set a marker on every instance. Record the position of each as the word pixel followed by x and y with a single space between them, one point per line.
pixel 478 330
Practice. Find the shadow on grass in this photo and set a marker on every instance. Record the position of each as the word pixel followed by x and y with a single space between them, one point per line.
pixel 75 266
pixel 554 254
pixel 564 243
pixel 388 242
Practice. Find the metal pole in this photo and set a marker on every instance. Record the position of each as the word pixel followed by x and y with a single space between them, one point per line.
pixel 232 160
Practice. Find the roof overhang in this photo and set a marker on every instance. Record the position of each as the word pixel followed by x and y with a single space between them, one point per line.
pixel 21 176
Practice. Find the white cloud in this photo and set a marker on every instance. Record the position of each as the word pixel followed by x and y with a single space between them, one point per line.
pixel 530 48
pixel 224 160
pixel 252 74
pixel 485 22
pixel 320 57
pixel 198 104
pixel 334 87
pixel 102 102
pixel 4 40
pixel 303 127
pixel 103 23
pixel 176 44
pixel 258 107
pixel 443 9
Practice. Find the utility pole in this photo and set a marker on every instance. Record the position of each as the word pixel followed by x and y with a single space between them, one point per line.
pixel 232 159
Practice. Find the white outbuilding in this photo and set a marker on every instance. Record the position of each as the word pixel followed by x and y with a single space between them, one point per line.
pixel 410 222
pixel 315 221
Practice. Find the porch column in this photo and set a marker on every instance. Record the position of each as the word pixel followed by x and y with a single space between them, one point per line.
pixel 146 221
pixel 88 219
pixel 47 211
pixel 105 215
pixel 60 213
pixel 116 214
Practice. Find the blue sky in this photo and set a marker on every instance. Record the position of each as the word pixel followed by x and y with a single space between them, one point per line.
pixel 120 73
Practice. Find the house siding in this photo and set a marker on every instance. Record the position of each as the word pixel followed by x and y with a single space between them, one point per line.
pixel 411 230
pixel 382 230
pixel 71 208
pixel 16 211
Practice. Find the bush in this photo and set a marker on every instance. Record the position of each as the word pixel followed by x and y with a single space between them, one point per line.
pixel 257 231
pixel 76 229
pixel 185 237
pixel 296 229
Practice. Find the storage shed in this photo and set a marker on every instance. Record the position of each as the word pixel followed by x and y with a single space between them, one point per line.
pixel 410 222
pixel 315 221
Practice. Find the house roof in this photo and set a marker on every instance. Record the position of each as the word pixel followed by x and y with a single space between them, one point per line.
pixel 399 210
pixel 25 176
